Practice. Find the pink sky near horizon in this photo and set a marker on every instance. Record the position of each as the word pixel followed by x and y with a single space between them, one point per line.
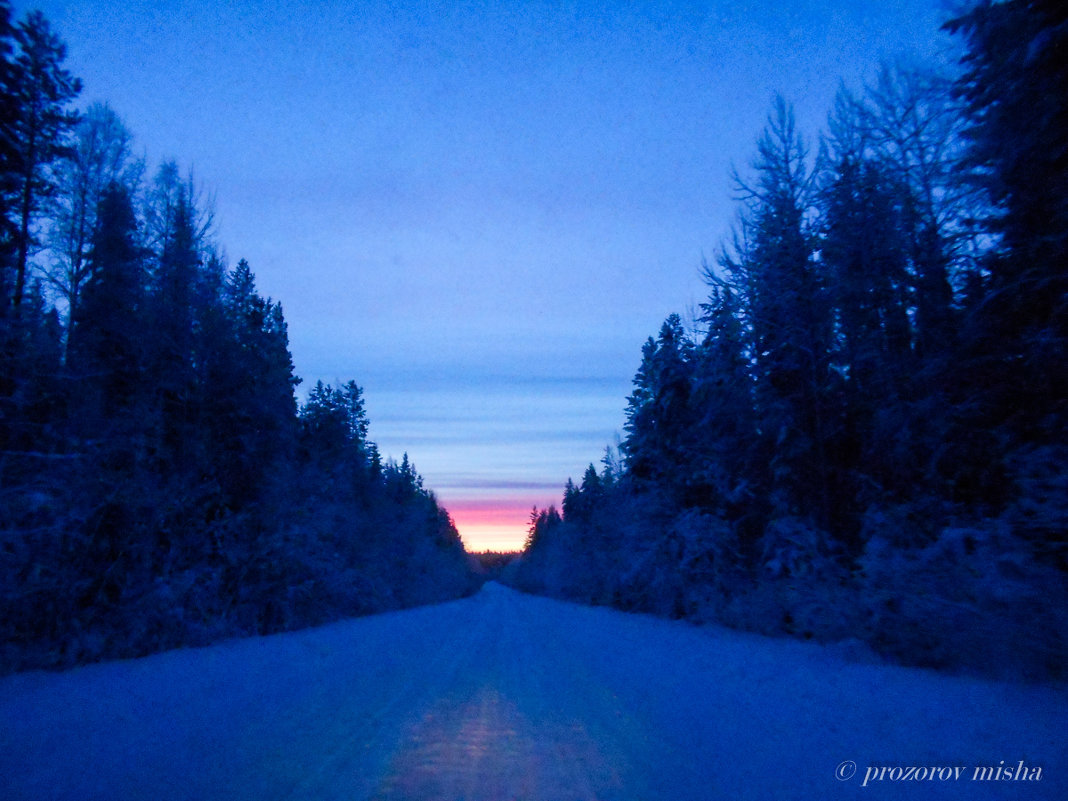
pixel 492 525
pixel 491 450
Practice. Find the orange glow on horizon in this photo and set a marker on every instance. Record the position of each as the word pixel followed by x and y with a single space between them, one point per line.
pixel 487 525
pixel 492 538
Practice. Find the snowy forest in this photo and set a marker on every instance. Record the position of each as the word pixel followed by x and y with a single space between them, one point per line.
pixel 861 434
pixel 160 485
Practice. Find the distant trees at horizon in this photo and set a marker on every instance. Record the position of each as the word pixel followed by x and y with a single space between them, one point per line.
pixel 160 485
pixel 866 436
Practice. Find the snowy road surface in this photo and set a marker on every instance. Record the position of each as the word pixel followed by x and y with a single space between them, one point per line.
pixel 505 696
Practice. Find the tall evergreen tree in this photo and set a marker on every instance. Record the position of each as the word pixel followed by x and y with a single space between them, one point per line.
pixel 100 156
pixel 789 322
pixel 44 90
pixel 110 323
pixel 723 475
pixel 184 286
pixel 251 406
pixel 1016 92
pixel 864 252
pixel 864 255
pixel 1015 88
pixel 657 414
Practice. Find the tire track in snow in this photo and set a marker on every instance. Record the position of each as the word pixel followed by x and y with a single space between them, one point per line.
pixel 512 726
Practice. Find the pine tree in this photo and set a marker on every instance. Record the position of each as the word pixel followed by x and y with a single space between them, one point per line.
pixel 334 430
pixel 722 474
pixel 1015 88
pixel 864 254
pixel 246 373
pixel 108 327
pixel 572 501
pixel 184 286
pixel 657 415
pixel 43 119
pixel 789 323
pixel 1016 92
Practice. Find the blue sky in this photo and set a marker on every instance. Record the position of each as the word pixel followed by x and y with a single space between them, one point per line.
pixel 477 210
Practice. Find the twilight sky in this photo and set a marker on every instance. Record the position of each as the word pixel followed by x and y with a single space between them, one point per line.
pixel 477 210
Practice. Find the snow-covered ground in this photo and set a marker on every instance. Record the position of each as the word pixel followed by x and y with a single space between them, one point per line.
pixel 507 696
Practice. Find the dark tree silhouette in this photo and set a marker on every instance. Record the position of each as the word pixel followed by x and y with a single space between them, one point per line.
pixel 43 90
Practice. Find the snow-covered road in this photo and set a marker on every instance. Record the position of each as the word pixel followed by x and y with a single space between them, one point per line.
pixel 506 696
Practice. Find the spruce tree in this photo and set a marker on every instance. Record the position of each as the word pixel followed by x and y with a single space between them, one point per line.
pixel 789 323
pixel 1015 87
pixel 109 326
pixel 43 92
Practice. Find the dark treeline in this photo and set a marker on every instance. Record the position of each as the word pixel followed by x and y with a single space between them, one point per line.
pixel 159 484
pixel 863 436
pixel 492 565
